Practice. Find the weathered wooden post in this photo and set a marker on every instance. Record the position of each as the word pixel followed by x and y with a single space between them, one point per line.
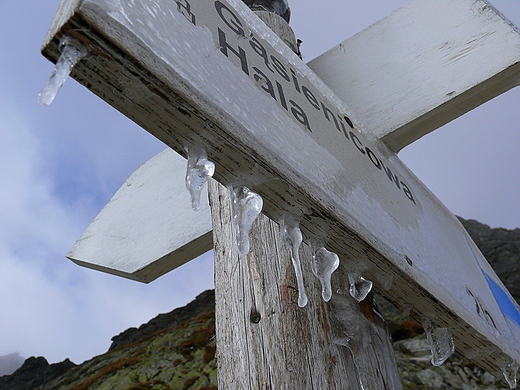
pixel 210 74
pixel 264 340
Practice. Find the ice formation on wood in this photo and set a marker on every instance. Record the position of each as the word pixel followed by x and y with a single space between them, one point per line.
pixel 365 339
pixel 440 340
pixel 198 172
pixel 72 51
pixel 359 286
pixel 247 205
pixel 510 372
pixel 324 263
pixel 291 232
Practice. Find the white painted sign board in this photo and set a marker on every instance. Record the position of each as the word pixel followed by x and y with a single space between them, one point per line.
pixel 148 228
pixel 211 73
pixel 428 37
pixel 422 66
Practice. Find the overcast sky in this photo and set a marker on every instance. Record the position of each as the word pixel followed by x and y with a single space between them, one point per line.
pixel 59 165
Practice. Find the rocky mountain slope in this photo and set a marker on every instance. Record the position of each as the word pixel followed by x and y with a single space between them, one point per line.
pixel 501 247
pixel 173 351
pixel 176 350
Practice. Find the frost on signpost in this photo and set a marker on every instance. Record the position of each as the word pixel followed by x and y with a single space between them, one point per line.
pixel 510 372
pixel 440 340
pixel 246 205
pixel 324 263
pixel 72 51
pixel 198 172
pixel 292 234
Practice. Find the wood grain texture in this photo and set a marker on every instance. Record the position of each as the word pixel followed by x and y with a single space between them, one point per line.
pixel 282 346
pixel 280 27
pixel 264 340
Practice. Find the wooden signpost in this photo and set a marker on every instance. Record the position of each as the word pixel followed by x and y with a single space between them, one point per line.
pixel 210 73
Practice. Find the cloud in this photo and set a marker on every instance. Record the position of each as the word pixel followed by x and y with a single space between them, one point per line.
pixel 27 207
pixel 10 363
pixel 57 309
pixel 59 165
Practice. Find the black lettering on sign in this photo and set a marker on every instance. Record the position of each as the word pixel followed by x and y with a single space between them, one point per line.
pixel 357 142
pixel 407 192
pixel 240 53
pixel 280 81
pixel 373 158
pixel 310 97
pixel 280 68
pixel 393 178
pixel 231 20
pixel 184 7
pixel 300 115
pixel 295 81
pixel 329 114
pixel 283 102
pixel 482 311
pixel 260 50
pixel 263 82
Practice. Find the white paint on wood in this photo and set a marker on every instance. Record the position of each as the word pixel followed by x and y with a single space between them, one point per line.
pixel 165 67
pixel 422 66
pixel 64 13
pixel 148 228
pixel 247 354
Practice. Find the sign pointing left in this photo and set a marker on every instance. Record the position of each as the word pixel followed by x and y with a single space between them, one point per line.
pixel 143 232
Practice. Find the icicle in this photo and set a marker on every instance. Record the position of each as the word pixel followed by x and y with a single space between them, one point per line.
pixel 346 319
pixel 247 205
pixel 72 51
pixel 324 263
pixel 440 340
pixel 510 372
pixel 386 281
pixel 351 329
pixel 407 310
pixel 359 286
pixel 198 172
pixel 292 234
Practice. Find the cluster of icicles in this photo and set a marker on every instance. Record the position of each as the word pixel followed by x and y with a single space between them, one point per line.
pixel 247 205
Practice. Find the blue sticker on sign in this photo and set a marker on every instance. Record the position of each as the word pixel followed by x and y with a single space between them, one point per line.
pixel 508 307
